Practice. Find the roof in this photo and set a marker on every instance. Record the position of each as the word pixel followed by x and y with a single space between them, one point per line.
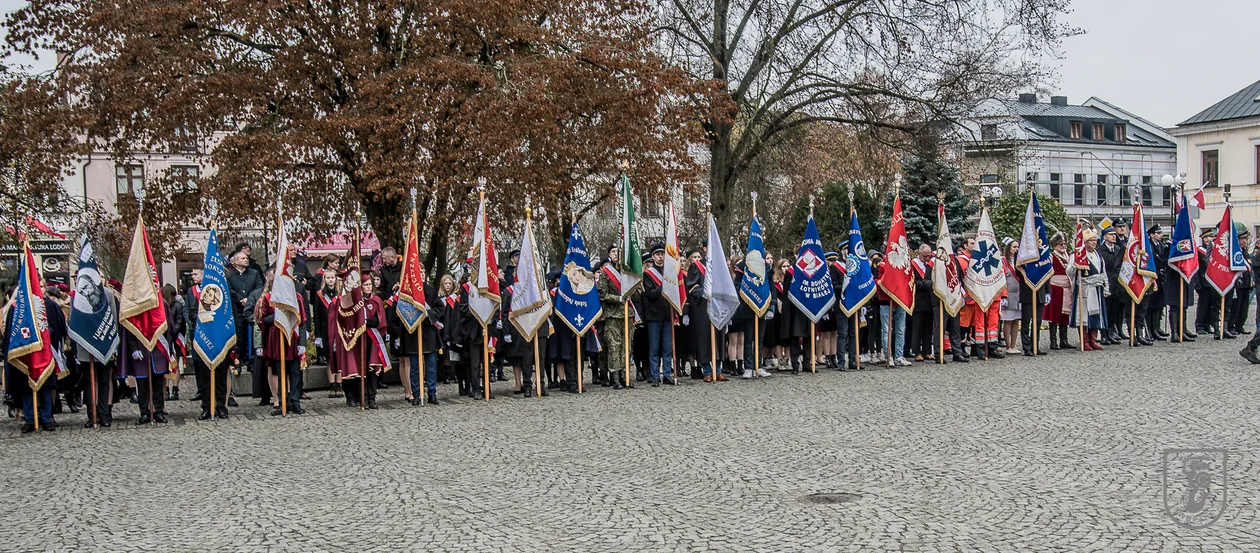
pixel 1244 103
pixel 1025 109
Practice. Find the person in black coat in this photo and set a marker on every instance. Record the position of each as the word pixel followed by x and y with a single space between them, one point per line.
pixel 1155 300
pixel 658 317
pixel 696 319
pixel 243 283
pixel 921 321
pixel 1208 315
pixel 1239 302
pixel 430 333
pixel 1112 257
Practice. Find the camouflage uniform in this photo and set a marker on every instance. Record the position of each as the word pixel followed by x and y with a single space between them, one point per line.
pixel 613 354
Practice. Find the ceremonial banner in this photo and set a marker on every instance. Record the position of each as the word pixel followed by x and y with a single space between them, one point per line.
pixel 141 308
pixel 577 300
pixel 718 285
pixel 1080 257
pixel 1033 257
pixel 631 261
pixel 860 284
pixel 812 291
pixel 673 287
pixel 531 304
pixel 483 289
pixel 30 344
pixel 216 328
pixel 946 282
pixel 93 322
pixel 754 288
pixel 1226 259
pixel 1182 255
pixel 1138 271
pixel 283 290
pixel 984 278
pixel 412 306
pixel 897 280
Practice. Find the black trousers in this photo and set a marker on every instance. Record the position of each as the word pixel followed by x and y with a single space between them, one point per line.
pixel 920 334
pixel 351 387
pixel 1174 321
pixel 152 389
pixel 1154 312
pixel 244 335
pixel 262 388
pixel 1255 338
pixel 1210 308
pixel 1026 326
pixel 104 383
pixel 203 384
pixel 1238 308
pixel 952 329
pixel 293 381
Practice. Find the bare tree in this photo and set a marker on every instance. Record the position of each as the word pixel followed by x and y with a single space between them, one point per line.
pixel 880 65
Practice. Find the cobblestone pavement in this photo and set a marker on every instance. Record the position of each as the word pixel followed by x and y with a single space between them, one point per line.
pixel 1058 453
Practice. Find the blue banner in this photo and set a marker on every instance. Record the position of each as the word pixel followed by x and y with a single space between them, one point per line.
pixel 1183 257
pixel 577 301
pixel 1033 257
pixel 754 288
pixel 812 291
pixel 409 313
pixel 216 330
pixel 859 285
pixel 93 323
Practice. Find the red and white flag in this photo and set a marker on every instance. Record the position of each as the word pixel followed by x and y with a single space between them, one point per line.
pixel 141 309
pixel 483 292
pixel 672 288
pixel 283 289
pixel 897 278
pixel 1226 258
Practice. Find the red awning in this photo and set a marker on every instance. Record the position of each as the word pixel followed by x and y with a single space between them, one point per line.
pixel 339 243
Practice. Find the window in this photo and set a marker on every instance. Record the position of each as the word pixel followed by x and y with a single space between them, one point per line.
pixel 1076 129
pixel 1078 192
pixel 184 178
pixel 1055 189
pixel 1146 195
pixel 1100 191
pixel 1078 178
pixel 988 131
pixel 988 178
pixel 1211 160
pixel 1098 131
pixel 691 205
pixel 1124 195
pixel 129 178
pixel 1121 132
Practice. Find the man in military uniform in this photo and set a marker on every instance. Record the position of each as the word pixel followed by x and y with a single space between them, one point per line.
pixel 1239 300
pixel 1208 315
pixel 1155 299
pixel 613 356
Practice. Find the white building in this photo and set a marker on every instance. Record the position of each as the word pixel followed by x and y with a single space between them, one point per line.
pixel 1094 158
pixel 1220 148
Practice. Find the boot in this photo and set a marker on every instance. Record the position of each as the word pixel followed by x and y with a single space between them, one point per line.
pixel 995 351
pixel 1054 336
pixel 1063 337
pixel 175 393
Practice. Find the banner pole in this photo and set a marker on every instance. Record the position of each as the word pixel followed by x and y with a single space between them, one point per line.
pixel 813 342
pixel 35 405
pixel 625 342
pixel 1132 316
pixel 423 368
pixel 940 331
pixel 284 381
pixel 888 350
pixel 857 359
pixel 1036 329
pixel 713 367
pixel 92 375
pixel 537 371
pixel 1080 306
pixel 756 344
pixel 485 361
pixel 212 398
pixel 1221 329
pixel 1181 313
pixel 579 363
pixel 673 351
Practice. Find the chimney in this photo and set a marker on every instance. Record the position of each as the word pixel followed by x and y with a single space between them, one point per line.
pixel 1028 98
pixel 1058 100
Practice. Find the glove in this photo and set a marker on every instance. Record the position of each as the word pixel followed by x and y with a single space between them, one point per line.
pixel 827 317
pixel 498 325
pixel 301 351
pixel 319 342
pixel 137 355
pixel 507 338
pixel 686 320
pixel 1004 303
pixel 258 352
pixel 397 342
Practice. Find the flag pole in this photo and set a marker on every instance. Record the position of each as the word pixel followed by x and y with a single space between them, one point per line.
pixel 35 404
pixel 424 367
pixel 284 381
pixel 578 347
pixel 1181 313
pixel 1133 309
pixel 673 352
pixel 940 332
pixel 756 317
pixel 92 375
pixel 891 303
pixel 813 342
pixel 1036 327
pixel 1080 294
pixel 625 333
pixel 485 361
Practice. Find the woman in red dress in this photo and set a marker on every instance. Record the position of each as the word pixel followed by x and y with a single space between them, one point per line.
pixel 1058 311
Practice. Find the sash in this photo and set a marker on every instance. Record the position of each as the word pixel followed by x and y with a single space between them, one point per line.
pixel 919 268
pixel 779 286
pixel 322 299
pixel 844 270
pixel 613 276
pixel 703 270
pixel 379 358
pixel 656 276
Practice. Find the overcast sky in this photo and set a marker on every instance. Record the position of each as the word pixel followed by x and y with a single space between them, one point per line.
pixel 1164 60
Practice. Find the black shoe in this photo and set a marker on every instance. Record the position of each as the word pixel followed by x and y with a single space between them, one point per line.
pixel 175 394
pixel 415 400
pixel 995 352
pixel 144 419
pixel 222 414
pixel 1144 341
pixel 106 424
pixel 195 397
pixel 668 380
pixel 616 384
pixel 205 415
pixel 48 427
pixel 1161 335
pixel 232 402
pixel 1241 331
pixel 261 403
pixel 1191 335
pixel 1249 355
pixel 276 412
pixel 300 411
pixel 432 400
pixel 381 385
pixel 543 392
pixel 371 405
pixel 656 383
pixel 1230 335
pixel 961 359
pixel 27 428
pixel 159 418
pixel 134 399
pixel 88 424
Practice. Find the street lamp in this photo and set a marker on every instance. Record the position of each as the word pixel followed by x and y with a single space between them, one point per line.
pixel 1169 181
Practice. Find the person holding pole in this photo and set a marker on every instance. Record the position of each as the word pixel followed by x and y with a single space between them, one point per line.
pixel 426 343
pixel 696 318
pixel 1090 313
pixel 921 319
pixel 282 353
pixel 93 326
pixel 658 317
pixel 615 337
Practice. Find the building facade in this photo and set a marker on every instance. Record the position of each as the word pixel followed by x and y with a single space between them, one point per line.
pixel 1219 148
pixel 1094 158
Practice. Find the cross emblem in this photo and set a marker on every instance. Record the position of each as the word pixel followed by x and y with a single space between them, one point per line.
pixel 986 258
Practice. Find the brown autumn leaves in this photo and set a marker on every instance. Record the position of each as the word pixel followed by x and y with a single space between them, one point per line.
pixel 337 105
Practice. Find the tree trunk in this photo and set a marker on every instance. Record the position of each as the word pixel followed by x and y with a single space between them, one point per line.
pixel 720 173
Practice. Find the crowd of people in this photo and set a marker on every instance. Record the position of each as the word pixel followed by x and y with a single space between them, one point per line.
pixel 664 345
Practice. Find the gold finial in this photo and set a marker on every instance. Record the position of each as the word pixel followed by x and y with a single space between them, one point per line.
pixel 940 197
pixel 528 211
pixel 754 205
pixel 897 184
pixel 625 165
pixel 811 204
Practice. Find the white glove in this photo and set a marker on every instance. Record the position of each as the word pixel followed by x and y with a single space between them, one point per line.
pixel 258 352
pixel 507 338
pixel 498 325
pixel 301 351
pixel 319 342
pixel 397 342
pixel 686 320
pixel 826 317
pixel 1004 303
pixel 137 355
